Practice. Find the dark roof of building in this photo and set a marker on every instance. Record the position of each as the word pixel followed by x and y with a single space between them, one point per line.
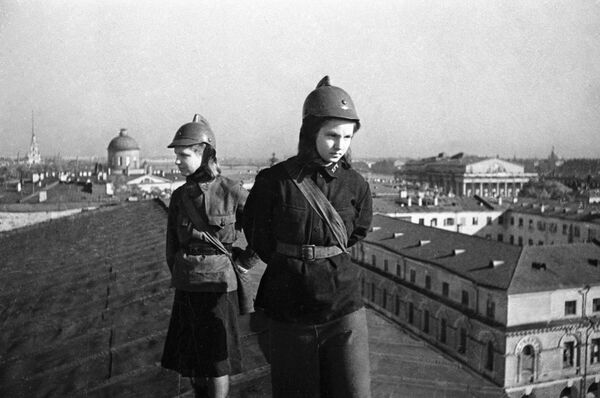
pixel 85 307
pixel 547 268
pixel 123 142
pixel 492 263
pixel 476 263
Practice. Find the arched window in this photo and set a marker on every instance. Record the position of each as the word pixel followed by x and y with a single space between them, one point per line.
pixel 569 349
pixel 527 360
pixel 489 356
pixel 568 354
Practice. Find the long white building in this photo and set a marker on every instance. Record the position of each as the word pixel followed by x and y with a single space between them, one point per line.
pixel 527 318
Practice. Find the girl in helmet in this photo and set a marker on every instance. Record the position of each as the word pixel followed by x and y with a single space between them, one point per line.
pixel 203 341
pixel 310 290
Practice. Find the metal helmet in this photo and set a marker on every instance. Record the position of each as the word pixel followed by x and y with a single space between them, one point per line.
pixel 198 131
pixel 329 101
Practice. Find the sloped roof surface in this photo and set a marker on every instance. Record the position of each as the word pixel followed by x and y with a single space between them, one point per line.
pixel 473 264
pixel 85 307
pixel 564 266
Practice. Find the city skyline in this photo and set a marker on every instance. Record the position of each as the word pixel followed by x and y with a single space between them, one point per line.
pixel 492 79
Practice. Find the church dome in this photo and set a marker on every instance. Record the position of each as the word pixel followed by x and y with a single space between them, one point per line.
pixel 123 142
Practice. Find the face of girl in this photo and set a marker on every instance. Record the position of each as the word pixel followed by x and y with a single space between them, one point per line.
pixel 333 139
pixel 187 160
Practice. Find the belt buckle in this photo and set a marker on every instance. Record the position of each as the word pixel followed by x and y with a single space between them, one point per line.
pixel 307 252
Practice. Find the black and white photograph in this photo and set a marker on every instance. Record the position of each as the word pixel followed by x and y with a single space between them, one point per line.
pixel 299 199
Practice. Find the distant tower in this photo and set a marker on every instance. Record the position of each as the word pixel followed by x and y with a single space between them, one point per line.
pixel 123 152
pixel 552 158
pixel 33 156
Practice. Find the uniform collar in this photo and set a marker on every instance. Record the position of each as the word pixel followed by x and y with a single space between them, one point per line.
pixel 312 167
pixel 330 171
pixel 200 179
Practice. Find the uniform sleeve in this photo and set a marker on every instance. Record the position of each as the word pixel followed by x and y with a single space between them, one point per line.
pixel 247 258
pixel 258 214
pixel 172 241
pixel 365 216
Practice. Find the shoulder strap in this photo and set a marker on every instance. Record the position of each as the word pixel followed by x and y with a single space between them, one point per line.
pixel 200 224
pixel 319 202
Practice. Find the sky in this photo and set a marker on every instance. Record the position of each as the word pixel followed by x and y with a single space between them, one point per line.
pixel 493 77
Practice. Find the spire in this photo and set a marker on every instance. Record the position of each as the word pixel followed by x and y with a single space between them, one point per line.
pixel 33 156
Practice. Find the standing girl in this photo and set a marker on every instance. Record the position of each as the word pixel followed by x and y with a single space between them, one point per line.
pixel 301 217
pixel 203 341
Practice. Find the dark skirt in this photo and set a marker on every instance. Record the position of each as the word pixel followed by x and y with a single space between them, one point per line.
pixel 203 337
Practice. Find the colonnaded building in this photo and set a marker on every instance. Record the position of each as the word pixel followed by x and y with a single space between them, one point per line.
pixel 467 176
pixel 527 318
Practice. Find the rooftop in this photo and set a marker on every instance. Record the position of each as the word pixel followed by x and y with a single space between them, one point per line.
pixel 85 307
pixel 491 263
pixel 475 263
pixel 445 204
pixel 546 268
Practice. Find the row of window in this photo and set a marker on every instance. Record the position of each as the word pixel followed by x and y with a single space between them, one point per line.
pixel 570 358
pixel 550 226
pixel 412 277
pixel 571 306
pixel 370 292
pixel 450 221
pixel 511 240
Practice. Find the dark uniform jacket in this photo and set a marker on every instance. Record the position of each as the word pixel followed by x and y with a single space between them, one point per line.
pixel 291 289
pixel 220 202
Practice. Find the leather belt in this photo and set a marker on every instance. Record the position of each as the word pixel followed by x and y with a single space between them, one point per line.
pixel 205 250
pixel 307 252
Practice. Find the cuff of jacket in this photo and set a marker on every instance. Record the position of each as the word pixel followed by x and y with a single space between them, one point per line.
pixel 248 258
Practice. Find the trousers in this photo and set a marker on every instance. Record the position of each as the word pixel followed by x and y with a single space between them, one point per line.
pixel 329 360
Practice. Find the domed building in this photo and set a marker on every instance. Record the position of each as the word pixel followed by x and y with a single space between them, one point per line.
pixel 123 152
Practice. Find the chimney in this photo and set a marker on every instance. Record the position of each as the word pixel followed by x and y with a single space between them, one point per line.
pixel 500 201
pixel 496 263
pixel 424 242
pixel 542 208
pixel 456 252
pixel 435 201
pixel 398 234
pixel 538 266
pixel 420 201
pixel 409 202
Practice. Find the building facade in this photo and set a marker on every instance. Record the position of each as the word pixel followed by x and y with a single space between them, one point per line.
pixel 521 224
pixel 527 318
pixel 536 224
pixel 468 176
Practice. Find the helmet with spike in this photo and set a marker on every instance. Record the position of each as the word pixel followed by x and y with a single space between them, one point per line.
pixel 198 131
pixel 329 101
